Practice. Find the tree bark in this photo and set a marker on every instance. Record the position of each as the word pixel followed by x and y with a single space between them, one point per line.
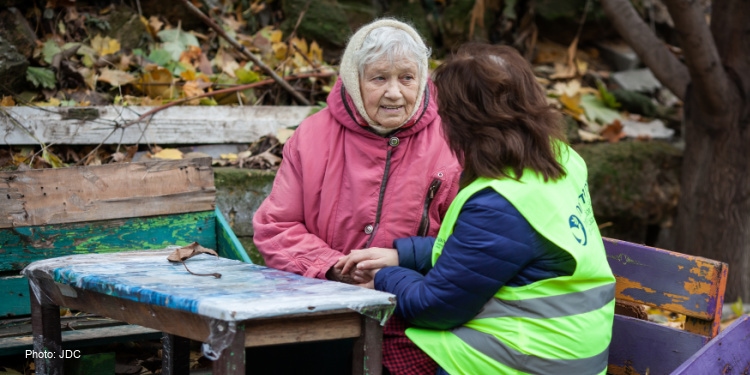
pixel 654 53
pixel 713 216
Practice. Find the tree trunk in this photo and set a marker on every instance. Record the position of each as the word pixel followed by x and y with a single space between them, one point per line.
pixel 713 216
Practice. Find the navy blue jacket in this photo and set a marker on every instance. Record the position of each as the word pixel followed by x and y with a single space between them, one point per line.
pixel 492 245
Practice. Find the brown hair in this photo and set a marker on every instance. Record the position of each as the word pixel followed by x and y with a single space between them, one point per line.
pixel 495 115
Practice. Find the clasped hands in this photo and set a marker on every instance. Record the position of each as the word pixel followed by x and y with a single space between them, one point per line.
pixel 360 266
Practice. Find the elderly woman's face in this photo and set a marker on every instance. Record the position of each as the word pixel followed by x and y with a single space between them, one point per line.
pixel 389 90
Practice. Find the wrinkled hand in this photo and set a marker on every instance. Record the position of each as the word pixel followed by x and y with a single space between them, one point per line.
pixel 334 273
pixel 363 264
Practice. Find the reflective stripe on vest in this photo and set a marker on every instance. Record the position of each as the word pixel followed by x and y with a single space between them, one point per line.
pixel 549 307
pixel 492 347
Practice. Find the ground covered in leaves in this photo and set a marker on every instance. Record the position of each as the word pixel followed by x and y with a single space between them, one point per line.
pixel 77 60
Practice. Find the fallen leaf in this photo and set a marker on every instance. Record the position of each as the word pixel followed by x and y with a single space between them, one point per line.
pixel 613 132
pixel 156 82
pixel 7 101
pixel 154 25
pixel 105 46
pixel 176 41
pixel 169 154
pixel 597 111
pixel 588 136
pixel 192 89
pixel 186 252
pixel 115 77
pixel 572 105
pixel 283 134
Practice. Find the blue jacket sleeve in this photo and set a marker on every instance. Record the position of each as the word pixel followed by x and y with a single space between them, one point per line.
pixel 490 244
pixel 415 253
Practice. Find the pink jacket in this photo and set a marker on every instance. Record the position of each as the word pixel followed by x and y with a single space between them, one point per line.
pixel 341 187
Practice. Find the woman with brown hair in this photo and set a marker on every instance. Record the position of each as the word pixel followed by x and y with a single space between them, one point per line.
pixel 517 280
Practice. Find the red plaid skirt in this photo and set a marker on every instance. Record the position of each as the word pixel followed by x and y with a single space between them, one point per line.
pixel 400 355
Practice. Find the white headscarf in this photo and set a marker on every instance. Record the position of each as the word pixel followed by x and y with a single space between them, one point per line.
pixel 349 71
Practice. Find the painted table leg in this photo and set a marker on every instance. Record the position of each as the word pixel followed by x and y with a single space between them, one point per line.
pixel 176 355
pixel 45 323
pixel 232 359
pixel 368 349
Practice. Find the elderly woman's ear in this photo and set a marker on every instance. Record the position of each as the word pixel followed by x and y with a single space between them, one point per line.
pixel 384 70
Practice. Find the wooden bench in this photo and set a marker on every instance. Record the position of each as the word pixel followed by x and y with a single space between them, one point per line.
pixel 727 353
pixel 100 209
pixel 667 280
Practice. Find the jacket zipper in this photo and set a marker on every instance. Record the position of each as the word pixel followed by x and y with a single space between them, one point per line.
pixel 424 225
pixel 383 184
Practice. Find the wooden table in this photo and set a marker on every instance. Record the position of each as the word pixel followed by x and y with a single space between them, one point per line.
pixel 249 305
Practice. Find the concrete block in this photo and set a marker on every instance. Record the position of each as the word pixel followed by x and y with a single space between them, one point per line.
pixel 639 80
pixel 619 55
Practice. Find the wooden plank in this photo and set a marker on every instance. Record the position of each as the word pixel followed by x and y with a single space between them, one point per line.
pixel 122 190
pixel 83 338
pixel 640 347
pixel 175 355
pixel 368 349
pixel 685 284
pixel 232 359
pixel 227 243
pixel 14 292
pixel 21 246
pixel 303 329
pixel 174 125
pixel 728 353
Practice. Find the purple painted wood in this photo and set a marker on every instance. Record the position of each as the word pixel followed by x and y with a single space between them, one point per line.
pixel 642 347
pixel 685 284
pixel 727 354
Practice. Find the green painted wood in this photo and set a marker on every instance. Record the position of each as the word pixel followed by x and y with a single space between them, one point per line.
pixel 227 243
pixel 14 294
pixel 21 246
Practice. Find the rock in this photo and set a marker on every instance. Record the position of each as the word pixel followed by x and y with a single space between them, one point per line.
pixel 125 26
pixel 650 130
pixel 619 55
pixel 640 80
pixel 12 68
pixel 16 29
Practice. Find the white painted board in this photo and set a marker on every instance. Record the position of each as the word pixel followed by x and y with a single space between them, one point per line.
pixel 174 125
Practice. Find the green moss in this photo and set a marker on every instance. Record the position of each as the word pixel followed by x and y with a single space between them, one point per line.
pixel 633 179
pixel 324 21
pixel 242 179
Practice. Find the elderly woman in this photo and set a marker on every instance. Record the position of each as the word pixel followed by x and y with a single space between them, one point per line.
pixel 369 168
pixel 517 281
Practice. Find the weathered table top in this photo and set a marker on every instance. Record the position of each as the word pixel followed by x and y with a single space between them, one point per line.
pixel 249 305
pixel 244 291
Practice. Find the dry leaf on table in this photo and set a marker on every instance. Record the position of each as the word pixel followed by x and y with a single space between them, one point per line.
pixel 186 252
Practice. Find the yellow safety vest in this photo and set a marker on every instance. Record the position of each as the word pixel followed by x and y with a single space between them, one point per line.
pixel 561 325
